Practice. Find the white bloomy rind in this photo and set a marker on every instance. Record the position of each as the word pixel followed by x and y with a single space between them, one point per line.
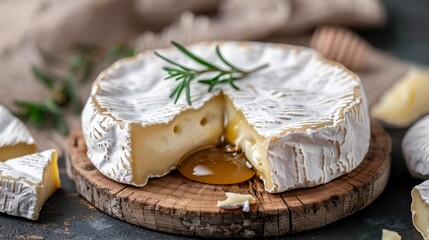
pixel 406 101
pixel 12 130
pixel 390 235
pixel 420 208
pixel 312 113
pixel 27 182
pixel 415 148
pixel 15 139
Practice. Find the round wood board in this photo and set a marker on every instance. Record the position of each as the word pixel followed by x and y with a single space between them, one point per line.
pixel 174 204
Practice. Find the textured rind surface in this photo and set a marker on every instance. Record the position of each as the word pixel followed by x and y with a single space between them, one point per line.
pixel 422 190
pixel 415 148
pixel 304 105
pixel 12 130
pixel 21 180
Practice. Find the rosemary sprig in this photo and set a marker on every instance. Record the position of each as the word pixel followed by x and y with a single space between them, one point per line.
pixel 185 75
pixel 64 88
pixel 38 113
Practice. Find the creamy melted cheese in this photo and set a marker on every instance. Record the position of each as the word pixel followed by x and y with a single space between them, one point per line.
pixel 239 133
pixel 16 150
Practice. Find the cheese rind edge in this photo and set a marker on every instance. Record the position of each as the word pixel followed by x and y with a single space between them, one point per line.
pixel 27 182
pixel 420 208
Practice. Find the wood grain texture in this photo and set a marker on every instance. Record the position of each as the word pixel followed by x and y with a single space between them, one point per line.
pixel 174 204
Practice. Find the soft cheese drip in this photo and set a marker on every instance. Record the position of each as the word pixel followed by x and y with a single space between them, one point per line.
pixel 161 147
pixel 239 133
pixel 21 149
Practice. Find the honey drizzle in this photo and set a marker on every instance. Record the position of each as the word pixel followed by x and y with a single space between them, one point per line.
pixel 218 165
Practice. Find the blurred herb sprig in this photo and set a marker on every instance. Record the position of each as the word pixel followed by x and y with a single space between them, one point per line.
pixel 63 88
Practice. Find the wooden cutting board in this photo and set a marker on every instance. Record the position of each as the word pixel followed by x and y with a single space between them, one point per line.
pixel 174 204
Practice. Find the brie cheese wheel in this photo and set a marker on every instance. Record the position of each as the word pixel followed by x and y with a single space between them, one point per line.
pixel 415 148
pixel 27 182
pixel 236 200
pixel 405 101
pixel 15 139
pixel 301 122
pixel 420 208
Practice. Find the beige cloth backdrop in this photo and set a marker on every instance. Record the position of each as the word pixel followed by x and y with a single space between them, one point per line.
pixel 57 25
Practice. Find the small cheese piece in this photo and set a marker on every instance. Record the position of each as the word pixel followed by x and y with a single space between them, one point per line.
pixel 420 208
pixel 390 235
pixel 27 182
pixel 301 122
pixel 415 148
pixel 406 101
pixel 235 200
pixel 15 140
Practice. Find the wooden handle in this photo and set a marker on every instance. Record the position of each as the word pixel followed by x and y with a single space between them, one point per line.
pixel 341 45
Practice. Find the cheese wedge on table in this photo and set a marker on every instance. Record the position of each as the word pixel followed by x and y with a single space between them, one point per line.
pixel 406 100
pixel 415 148
pixel 301 122
pixel 27 182
pixel 420 208
pixel 15 139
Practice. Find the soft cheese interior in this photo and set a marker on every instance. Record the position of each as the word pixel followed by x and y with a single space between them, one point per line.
pixel 194 130
pixel 15 139
pixel 158 149
pixel 12 151
pixel 239 133
pixel 406 101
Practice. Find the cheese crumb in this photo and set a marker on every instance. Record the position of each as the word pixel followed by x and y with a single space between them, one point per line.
pixel 235 200
pixel 390 235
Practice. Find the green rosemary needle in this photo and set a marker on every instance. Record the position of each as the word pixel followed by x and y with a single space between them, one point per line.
pixel 185 75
